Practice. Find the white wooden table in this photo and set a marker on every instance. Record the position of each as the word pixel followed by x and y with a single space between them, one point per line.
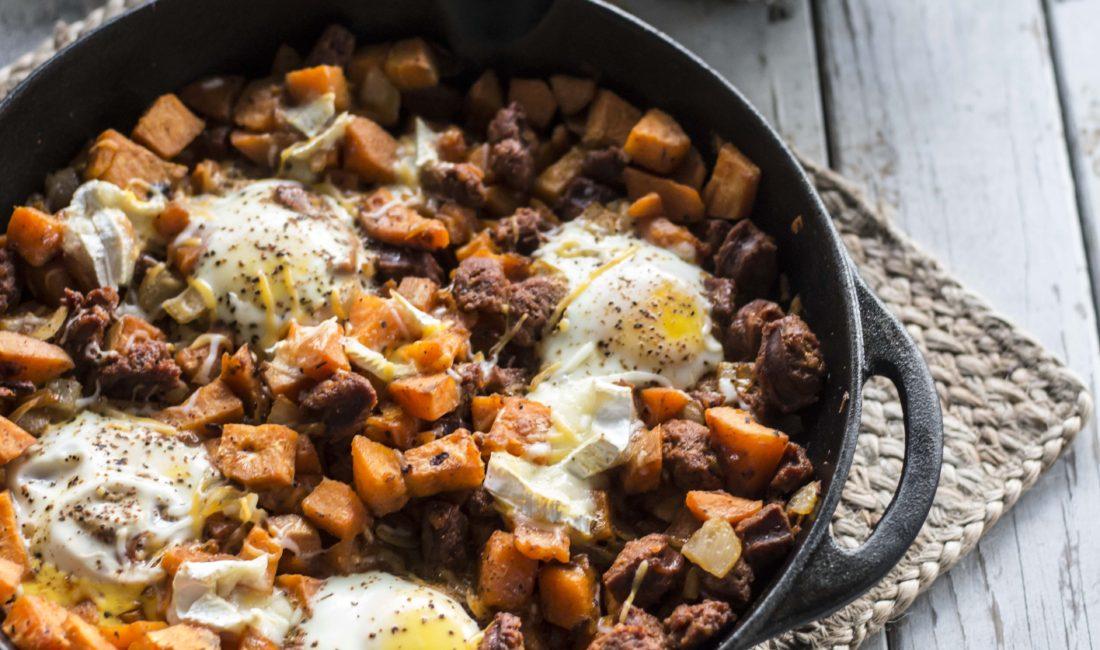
pixel 979 120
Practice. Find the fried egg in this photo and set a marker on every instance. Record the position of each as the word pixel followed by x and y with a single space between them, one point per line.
pixel 99 496
pixel 267 260
pixel 380 611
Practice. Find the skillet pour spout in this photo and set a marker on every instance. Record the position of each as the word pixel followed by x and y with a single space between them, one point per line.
pixel 107 78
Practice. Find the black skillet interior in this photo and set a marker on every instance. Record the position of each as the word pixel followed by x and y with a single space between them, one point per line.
pixel 108 78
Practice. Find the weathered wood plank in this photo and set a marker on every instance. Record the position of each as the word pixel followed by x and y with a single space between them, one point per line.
pixel 949 111
pixel 770 59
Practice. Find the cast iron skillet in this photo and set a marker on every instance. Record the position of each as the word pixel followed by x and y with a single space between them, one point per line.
pixel 107 78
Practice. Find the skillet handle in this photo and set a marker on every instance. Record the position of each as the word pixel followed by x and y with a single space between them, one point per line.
pixel 835 576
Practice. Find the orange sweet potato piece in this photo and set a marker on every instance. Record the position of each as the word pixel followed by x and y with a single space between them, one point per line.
pixel 123 635
pixel 542 543
pixel 25 358
pixel 178 637
pixel 663 403
pixel 719 504
pixel 572 93
pixel 213 97
pixel 308 84
pixel 13 440
pixel 568 593
pixel 647 207
pixel 753 451
pixel 365 59
pixel 369 151
pixel 657 142
pixel 642 470
pixel 484 98
pixel 410 65
pixel 11 541
pixel 610 120
pixel 258 457
pixel 84 635
pixel 393 427
pixel 260 543
pixel 674 237
pixel 299 587
pixel 35 235
pixel 681 202
pixel 175 556
pixel 452 462
pixel 378 478
pixel 11 574
pixel 395 223
pixel 253 640
pixel 536 99
pixel 436 353
pixel 692 172
pixel 731 190
pixel 261 148
pixel 172 220
pixel 334 507
pixel 35 623
pixel 239 374
pixel 520 422
pixel 550 184
pixel 418 291
pixel 318 350
pixel 167 127
pixel 506 579
pixel 214 403
pixel 306 458
pixel 375 322
pixel 257 107
pixel 117 159
pixel 428 397
pixel 484 410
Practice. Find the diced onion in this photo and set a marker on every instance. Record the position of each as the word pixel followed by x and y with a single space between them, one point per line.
pixel 714 548
pixel 188 306
pixel 804 500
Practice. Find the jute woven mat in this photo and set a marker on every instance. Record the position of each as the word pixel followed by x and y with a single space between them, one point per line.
pixel 1010 408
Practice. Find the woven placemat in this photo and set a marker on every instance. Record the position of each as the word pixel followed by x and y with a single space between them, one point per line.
pixel 1010 408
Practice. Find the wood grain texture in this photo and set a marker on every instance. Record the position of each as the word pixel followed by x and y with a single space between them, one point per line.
pixel 950 112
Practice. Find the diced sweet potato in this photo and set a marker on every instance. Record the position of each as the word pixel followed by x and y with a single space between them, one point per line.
pixel 260 543
pixel 25 358
pixel 178 637
pixel 484 98
pixel 484 410
pixel 542 543
pixel 117 159
pixel 692 172
pixel 365 59
pixel 35 235
pixel 308 84
pixel 379 98
pixel 334 507
pixel 647 207
pixel 167 127
pixel 214 403
pixel 752 450
pixel 550 184
pixel 642 470
pixel 306 459
pixel 11 574
pixel 261 148
pixel 83 634
pixel 13 440
pixel 299 587
pixel 316 350
pixel 258 457
pixel 657 142
pixel 437 353
pixel 369 151
pixel 393 222
pixel 257 107
pixel 420 292
pixel 536 99
pixel 174 556
pixel 506 579
pixel 681 203
pixel 452 462
pixel 663 403
pixel 35 623
pixel 428 397
pixel 568 593
pixel 375 322
pixel 610 120
pixel 298 538
pixel 253 640
pixel 572 93
pixel 674 237
pixel 123 635
pixel 718 504
pixel 172 220
pixel 378 478
pixel 239 374
pixel 392 427
pixel 410 65
pixel 213 97
pixel 520 423
pixel 731 190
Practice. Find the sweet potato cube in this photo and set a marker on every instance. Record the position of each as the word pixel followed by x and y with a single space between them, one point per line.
pixel 35 235
pixel 550 184
pixel 212 404
pixel 378 478
pixel 213 97
pixel 410 65
pixel 392 427
pixel 258 457
pixel 536 99
pixel 239 374
pixel 642 470
pixel 484 98
pixel 117 159
pixel 167 127
pixel 484 410
pixel 418 291
pixel 542 543
pixel 437 352
pixel 253 640
pixel 568 594
pixel 647 207
pixel 261 148
pixel 395 223
pixel 334 507
pixel 299 587
pixel 572 93
pixel 123 635
pixel 731 190
pixel 178 637
pixel 172 220
pixel 174 556
pixel 506 579
pixel 610 120
pixel 316 350
pixel 752 450
pixel 25 358
pixel 35 623
pixel 375 322
pixel 681 203
pixel 257 107
pixel 11 574
pixel 428 397
pixel 369 151
pixel 379 98
pixel 520 423
pixel 657 142
pixel 260 543
pixel 692 172
pixel 308 84
pixel 450 463
pixel 84 635
pixel 663 403
pixel 13 440
pixel 365 59
pixel 718 504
